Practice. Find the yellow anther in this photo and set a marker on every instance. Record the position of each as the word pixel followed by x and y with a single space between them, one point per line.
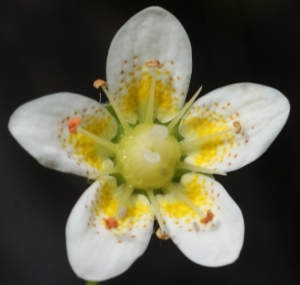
pixel 154 62
pixel 237 126
pixel 161 235
pixel 99 82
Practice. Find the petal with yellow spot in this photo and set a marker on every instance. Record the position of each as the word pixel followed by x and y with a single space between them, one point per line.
pixel 129 76
pixel 41 126
pixel 213 233
pixel 100 245
pixel 233 125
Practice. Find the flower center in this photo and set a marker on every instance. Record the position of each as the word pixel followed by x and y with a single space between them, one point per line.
pixel 147 156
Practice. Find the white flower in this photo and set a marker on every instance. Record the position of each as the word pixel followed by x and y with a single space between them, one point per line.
pixel 148 153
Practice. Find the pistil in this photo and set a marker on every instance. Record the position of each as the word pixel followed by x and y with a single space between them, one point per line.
pixel 147 156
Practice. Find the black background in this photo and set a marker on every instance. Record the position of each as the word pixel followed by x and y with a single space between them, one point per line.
pixel 47 46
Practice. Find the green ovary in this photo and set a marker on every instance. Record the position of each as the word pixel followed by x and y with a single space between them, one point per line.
pixel 147 156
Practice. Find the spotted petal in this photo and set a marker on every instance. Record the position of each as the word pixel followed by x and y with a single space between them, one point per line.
pixel 206 240
pixel 152 34
pixel 260 111
pixel 41 127
pixel 96 252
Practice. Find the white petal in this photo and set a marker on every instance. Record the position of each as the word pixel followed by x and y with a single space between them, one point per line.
pixel 261 111
pixel 152 34
pixel 40 126
pixel 215 243
pixel 96 253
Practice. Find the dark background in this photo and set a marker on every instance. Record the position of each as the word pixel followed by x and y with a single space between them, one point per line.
pixel 47 46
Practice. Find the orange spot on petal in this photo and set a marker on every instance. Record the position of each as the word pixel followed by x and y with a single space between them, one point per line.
pixel 72 125
pixel 111 222
pixel 209 217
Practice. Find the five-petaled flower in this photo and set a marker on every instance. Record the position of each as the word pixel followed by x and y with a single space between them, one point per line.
pixel 149 155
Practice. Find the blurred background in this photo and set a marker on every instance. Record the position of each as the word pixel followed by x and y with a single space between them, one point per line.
pixel 49 46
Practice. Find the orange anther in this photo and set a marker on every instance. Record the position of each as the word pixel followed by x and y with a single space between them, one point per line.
pixel 99 82
pixel 72 125
pixel 161 235
pixel 209 217
pixel 154 62
pixel 111 222
pixel 237 126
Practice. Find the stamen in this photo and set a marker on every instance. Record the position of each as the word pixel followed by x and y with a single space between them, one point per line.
pixel 123 213
pixel 154 62
pixel 209 217
pixel 150 106
pixel 172 188
pixel 237 126
pixel 101 83
pixel 109 145
pixel 111 222
pixel 120 213
pixel 161 235
pixel 195 168
pixel 72 125
pixel 104 172
pixel 156 211
pixel 187 146
pixel 183 110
